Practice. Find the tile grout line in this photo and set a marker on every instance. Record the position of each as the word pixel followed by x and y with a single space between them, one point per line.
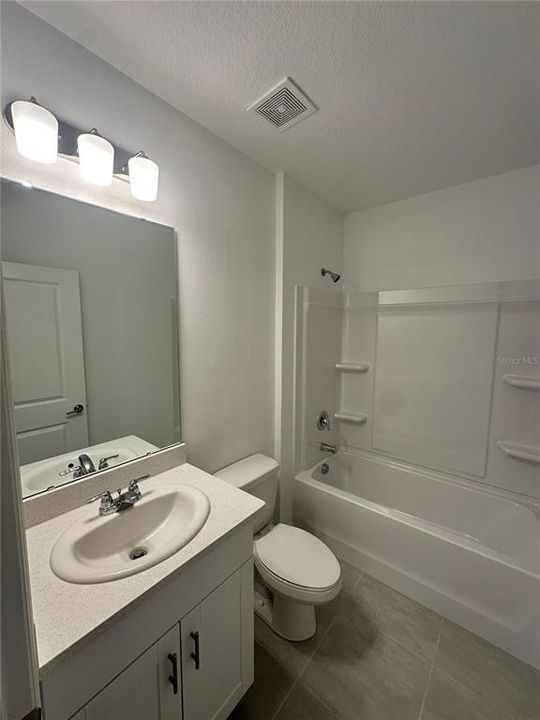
pixel 282 703
pixel 467 690
pixel 431 670
pixel 295 683
pixel 457 682
pixel 351 616
pixel 302 673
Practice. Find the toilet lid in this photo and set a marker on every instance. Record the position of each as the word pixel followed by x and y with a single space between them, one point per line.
pixel 298 557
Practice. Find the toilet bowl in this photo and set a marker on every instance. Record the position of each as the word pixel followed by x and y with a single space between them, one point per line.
pixel 295 571
pixel 301 572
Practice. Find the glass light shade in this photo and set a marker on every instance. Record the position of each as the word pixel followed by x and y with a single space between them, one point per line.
pixel 36 131
pixel 143 178
pixel 96 159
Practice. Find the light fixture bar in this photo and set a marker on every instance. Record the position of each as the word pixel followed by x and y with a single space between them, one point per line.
pixel 40 136
pixel 67 143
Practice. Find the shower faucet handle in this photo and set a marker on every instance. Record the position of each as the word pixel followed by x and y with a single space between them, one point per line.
pixel 323 421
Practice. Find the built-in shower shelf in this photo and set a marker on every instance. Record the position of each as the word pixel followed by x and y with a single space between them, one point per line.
pixel 527 382
pixel 350 417
pixel 520 452
pixel 352 367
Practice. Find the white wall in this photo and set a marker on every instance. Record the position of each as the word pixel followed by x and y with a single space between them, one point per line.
pixel 220 202
pixel 482 231
pixel 309 235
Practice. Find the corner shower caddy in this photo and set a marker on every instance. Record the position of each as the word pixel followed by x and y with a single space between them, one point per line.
pixel 525 382
pixel 526 453
pixel 352 367
pixel 350 417
pixel 345 415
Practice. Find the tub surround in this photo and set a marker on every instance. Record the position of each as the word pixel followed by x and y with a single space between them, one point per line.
pixel 74 623
pixel 450 385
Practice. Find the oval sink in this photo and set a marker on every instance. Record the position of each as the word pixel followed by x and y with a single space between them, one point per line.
pixel 49 473
pixel 46 474
pixel 99 549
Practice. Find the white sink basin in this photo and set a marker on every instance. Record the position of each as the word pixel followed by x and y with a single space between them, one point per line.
pixel 45 474
pixel 98 549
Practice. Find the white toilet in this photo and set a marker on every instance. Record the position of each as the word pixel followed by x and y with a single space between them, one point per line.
pixel 295 571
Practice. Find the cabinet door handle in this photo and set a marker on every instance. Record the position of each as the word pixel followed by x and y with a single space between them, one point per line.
pixel 196 655
pixel 173 679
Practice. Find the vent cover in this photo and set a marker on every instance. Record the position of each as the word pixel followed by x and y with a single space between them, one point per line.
pixel 284 105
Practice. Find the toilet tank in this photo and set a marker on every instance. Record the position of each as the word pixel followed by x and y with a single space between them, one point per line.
pixel 257 475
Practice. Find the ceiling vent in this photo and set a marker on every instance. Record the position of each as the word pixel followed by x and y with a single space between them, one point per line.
pixel 284 105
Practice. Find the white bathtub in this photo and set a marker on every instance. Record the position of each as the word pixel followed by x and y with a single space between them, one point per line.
pixel 470 554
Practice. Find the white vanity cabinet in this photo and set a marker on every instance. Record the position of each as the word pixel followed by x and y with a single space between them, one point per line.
pixel 216 653
pixel 144 690
pixel 198 670
pixel 109 651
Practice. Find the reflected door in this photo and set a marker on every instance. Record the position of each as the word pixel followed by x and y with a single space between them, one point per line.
pixel 44 328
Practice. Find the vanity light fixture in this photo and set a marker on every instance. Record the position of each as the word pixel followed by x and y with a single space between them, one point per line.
pixel 36 131
pixel 40 136
pixel 143 177
pixel 96 158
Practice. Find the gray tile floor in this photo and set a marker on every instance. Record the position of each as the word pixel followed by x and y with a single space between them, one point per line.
pixel 378 655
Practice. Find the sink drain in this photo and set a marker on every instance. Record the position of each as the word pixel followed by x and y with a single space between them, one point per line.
pixel 138 552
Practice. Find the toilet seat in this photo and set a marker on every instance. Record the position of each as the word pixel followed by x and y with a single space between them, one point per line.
pixel 297 564
pixel 307 596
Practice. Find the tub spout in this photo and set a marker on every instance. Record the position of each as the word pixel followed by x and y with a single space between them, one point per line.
pixel 326 447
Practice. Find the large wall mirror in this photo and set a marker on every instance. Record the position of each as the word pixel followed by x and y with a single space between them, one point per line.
pixel 91 314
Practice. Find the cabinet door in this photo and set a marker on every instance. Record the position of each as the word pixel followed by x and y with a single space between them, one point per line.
pixel 217 649
pixel 145 690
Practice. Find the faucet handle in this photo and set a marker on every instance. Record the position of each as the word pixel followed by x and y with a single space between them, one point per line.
pixel 134 484
pixel 104 461
pixel 105 497
pixel 323 420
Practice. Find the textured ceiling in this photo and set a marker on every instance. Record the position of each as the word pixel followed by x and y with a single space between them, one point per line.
pixel 413 96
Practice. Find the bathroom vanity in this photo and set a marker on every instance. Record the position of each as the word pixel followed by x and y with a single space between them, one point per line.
pixel 172 641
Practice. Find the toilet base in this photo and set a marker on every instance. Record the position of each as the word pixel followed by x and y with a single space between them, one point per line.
pixel 286 617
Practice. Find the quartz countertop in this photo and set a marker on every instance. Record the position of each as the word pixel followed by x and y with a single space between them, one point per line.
pixel 66 614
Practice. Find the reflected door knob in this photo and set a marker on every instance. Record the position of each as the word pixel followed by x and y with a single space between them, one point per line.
pixel 77 410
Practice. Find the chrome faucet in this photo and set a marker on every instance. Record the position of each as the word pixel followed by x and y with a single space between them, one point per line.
pixel 85 467
pixel 326 447
pixel 127 499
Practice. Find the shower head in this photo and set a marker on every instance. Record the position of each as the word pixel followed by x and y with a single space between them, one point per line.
pixel 335 276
